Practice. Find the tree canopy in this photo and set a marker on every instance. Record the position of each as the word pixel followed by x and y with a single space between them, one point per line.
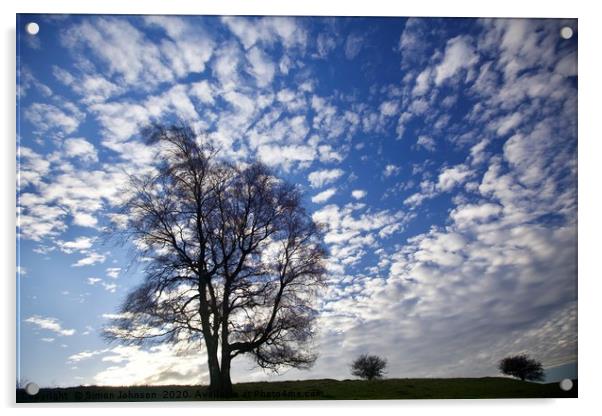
pixel 523 367
pixel 368 366
pixel 232 259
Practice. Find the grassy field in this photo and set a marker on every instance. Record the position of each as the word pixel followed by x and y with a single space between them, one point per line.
pixel 452 388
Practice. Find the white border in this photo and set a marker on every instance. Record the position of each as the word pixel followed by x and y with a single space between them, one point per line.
pixel 590 187
pixel 467 8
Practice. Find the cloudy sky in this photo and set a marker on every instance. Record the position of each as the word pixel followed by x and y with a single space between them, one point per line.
pixel 440 152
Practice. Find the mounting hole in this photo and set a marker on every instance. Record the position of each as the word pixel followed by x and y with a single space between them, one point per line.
pixel 32 28
pixel 566 384
pixel 566 32
pixel 32 389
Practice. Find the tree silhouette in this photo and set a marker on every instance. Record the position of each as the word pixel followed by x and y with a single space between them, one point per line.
pixel 368 366
pixel 523 367
pixel 233 261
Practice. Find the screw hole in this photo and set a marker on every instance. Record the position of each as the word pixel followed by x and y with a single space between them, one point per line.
pixel 32 389
pixel 566 32
pixel 32 28
pixel 566 384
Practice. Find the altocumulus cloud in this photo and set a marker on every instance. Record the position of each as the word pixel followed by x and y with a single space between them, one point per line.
pixel 50 324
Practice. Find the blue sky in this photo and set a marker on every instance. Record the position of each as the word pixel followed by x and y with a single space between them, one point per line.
pixel 441 153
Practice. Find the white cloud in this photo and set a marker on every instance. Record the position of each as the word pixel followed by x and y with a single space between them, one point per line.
pixel 84 355
pixel 116 315
pixel 389 108
pixel 109 287
pixel 189 47
pixel 261 67
pixel 450 177
pixel 359 193
pixel 27 80
pixel 97 89
pixel 532 158
pixel 138 61
pixel 477 152
pixel 79 193
pixel 242 103
pixel 80 148
pixel 567 66
pixel 121 120
pixel 84 219
pixel 285 64
pixel 325 44
pixel 330 122
pixel 353 45
pixel 327 154
pixel 50 324
pixel 141 61
pixel 225 66
pixel 33 167
pixel 352 230
pixel 504 125
pixel 203 91
pixel 48 117
pixel 391 170
pixel 93 88
pixel 113 272
pixel 285 156
pixel 470 213
pixel 459 54
pixel 81 244
pixel 285 95
pixel 412 39
pixel 422 82
pixel 323 177
pixel 426 142
pixel 267 30
pixel 91 259
pixel 390 229
pixel 427 191
pixel 418 107
pixel 38 220
pixel 160 365
pixel 323 196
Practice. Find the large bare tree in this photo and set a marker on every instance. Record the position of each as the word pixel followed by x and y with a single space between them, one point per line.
pixel 233 261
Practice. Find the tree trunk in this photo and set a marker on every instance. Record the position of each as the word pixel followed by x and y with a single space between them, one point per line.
pixel 225 385
pixel 213 364
pixel 217 387
pixel 220 384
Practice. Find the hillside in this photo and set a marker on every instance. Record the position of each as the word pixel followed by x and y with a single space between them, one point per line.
pixel 326 389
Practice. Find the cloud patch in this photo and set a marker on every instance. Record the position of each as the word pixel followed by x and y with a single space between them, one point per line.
pixel 319 178
pixel 50 324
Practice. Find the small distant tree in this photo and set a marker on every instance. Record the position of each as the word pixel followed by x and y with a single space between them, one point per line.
pixel 368 367
pixel 523 367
